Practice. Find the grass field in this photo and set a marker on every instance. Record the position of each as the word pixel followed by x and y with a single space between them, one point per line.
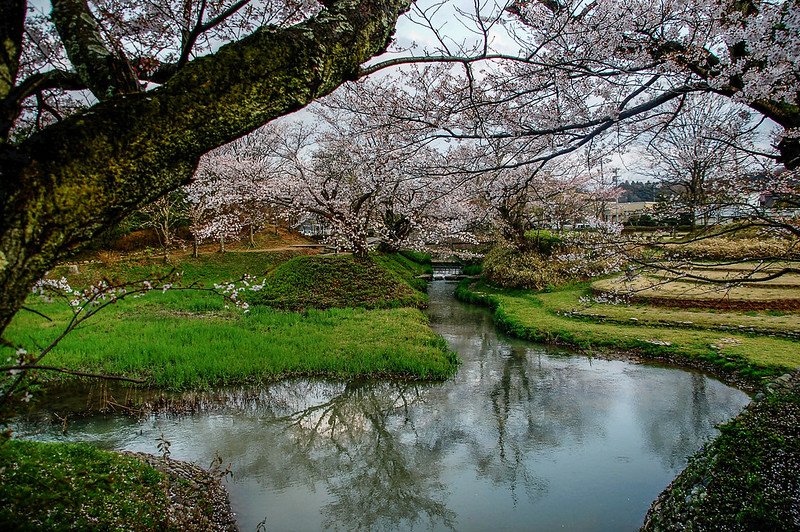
pixel 182 339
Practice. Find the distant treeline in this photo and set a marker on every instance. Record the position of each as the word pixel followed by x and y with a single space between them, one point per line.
pixel 633 191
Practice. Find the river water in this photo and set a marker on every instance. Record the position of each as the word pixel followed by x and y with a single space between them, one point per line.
pixel 524 437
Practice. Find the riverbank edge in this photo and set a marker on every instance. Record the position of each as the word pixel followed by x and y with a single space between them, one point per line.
pixel 677 505
pixel 191 486
pixel 744 479
pixel 59 486
pixel 744 375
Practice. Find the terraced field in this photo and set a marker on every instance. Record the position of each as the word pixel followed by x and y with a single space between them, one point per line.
pixel 745 286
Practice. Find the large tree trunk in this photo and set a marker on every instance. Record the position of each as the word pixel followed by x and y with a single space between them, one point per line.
pixel 67 184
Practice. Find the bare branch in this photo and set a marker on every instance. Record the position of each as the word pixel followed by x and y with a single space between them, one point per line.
pixel 57 369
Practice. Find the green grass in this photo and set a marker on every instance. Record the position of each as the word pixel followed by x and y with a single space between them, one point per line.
pixel 472 269
pixel 78 487
pixel 189 340
pixel 407 266
pixel 202 348
pixel 542 317
pixel 207 269
pixel 340 282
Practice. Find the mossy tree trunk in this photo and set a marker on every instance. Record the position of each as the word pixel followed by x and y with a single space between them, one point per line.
pixel 70 182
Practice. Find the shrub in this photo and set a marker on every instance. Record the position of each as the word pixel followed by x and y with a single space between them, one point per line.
pixel 511 268
pixel 543 241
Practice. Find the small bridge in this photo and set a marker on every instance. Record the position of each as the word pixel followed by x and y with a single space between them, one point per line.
pixel 446 270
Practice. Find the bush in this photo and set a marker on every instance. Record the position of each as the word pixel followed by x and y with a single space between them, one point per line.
pixel 511 268
pixel 543 241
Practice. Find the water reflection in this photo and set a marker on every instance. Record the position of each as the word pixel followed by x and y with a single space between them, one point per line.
pixel 523 437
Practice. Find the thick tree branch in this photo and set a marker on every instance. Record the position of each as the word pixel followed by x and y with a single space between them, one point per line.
pixel 12 22
pixel 106 72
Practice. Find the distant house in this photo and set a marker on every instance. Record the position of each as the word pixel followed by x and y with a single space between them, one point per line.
pixel 780 206
pixel 742 207
pixel 768 204
pixel 622 212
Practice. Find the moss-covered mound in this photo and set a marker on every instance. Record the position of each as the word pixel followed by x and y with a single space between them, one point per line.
pixel 747 479
pixel 336 282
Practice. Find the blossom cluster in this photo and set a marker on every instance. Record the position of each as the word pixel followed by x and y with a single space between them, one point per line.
pixel 232 291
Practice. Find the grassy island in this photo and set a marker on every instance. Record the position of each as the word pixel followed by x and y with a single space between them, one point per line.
pixel 312 316
pixel 315 316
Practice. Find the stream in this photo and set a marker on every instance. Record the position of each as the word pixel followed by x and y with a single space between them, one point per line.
pixel 524 436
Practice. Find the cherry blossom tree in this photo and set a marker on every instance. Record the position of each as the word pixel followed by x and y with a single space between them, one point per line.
pixel 164 215
pixel 566 73
pixel 232 190
pixel 702 156
pixel 148 101
pixel 369 185
pixel 544 80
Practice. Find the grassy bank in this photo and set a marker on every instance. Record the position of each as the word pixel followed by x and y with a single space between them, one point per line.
pixel 188 339
pixel 47 486
pixel 747 478
pixel 561 316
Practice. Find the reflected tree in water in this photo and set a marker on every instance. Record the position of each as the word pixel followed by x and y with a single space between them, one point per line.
pixel 676 428
pixel 345 438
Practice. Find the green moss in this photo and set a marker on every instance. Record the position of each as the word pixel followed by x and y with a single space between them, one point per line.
pixel 76 486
